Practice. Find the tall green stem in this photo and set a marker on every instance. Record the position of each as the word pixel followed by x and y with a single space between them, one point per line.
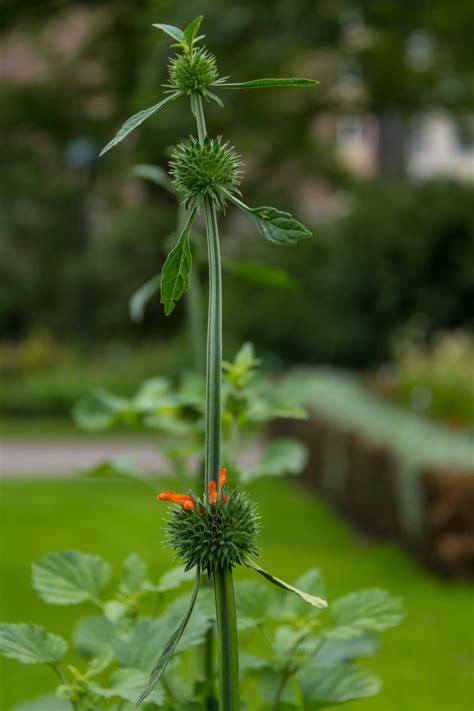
pixel 227 638
pixel 223 585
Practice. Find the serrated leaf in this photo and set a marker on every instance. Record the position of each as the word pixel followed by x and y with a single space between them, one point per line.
pixel 136 120
pixel 140 298
pixel 192 29
pixel 93 636
pixel 337 684
pixel 172 31
pixel 282 457
pixel 177 268
pixel 135 575
pixel 310 599
pixel 31 644
pixel 171 645
pixel 174 578
pixel 127 684
pixel 253 601
pixel 137 648
pixel 340 651
pixel 155 175
pixel 277 226
pixel 370 610
pixel 70 577
pixel 269 83
pixel 44 703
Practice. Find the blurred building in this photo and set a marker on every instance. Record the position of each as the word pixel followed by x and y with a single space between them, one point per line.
pixel 433 144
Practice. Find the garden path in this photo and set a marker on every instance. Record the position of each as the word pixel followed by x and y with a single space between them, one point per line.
pixel 35 458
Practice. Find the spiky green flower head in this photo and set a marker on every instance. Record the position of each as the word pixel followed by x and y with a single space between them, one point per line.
pixel 193 73
pixel 208 169
pixel 215 535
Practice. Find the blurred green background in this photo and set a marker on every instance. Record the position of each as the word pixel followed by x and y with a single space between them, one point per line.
pixel 378 160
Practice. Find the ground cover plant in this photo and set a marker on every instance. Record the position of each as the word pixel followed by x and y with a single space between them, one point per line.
pixel 216 531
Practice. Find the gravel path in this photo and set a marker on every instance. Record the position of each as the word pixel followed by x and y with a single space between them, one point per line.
pixel 24 459
pixel 27 458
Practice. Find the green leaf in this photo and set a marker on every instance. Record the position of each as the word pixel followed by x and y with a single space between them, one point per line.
pixel 121 467
pixel 294 607
pixel 155 175
pixel 70 577
pixel 282 456
pixel 177 268
pixel 253 601
pixel 93 636
pixel 260 273
pixel 171 645
pixel 134 121
pixel 141 297
pixel 100 410
pixel 31 644
pixel 173 32
pixel 268 83
pixel 137 648
pixel 192 29
pixel 277 226
pixel 370 610
pixel 135 575
pixel 310 599
pixel 44 703
pixel 127 684
pixel 174 578
pixel 339 651
pixel 249 663
pixel 337 684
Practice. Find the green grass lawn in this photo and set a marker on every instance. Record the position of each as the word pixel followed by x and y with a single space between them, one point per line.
pixel 426 663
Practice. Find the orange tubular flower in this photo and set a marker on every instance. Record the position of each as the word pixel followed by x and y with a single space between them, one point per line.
pixel 213 493
pixel 183 499
pixel 222 478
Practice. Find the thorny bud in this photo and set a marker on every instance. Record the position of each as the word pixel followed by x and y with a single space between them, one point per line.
pixel 193 73
pixel 211 168
pixel 216 531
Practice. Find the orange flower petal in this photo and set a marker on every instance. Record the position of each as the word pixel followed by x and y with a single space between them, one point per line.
pixel 222 478
pixel 213 494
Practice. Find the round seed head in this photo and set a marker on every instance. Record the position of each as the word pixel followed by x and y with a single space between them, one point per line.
pixel 215 536
pixel 212 169
pixel 193 74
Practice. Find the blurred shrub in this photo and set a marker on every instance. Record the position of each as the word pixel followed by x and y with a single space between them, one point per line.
pixel 404 249
pixel 438 380
pixel 53 391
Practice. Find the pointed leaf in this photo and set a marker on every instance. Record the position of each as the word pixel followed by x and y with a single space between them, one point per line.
pixel 268 83
pixel 171 645
pixel 155 175
pixel 277 226
pixel 134 121
pixel 310 599
pixel 192 29
pixel 370 610
pixel 177 268
pixel 172 31
pixel 337 684
pixel 70 577
pixel 31 644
